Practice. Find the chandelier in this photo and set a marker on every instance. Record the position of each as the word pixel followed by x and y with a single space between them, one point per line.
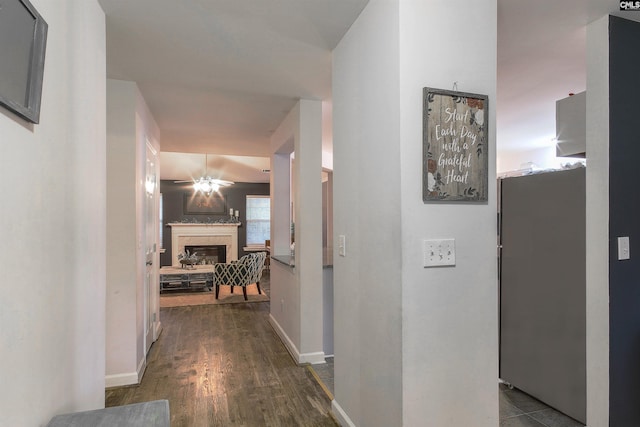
pixel 206 184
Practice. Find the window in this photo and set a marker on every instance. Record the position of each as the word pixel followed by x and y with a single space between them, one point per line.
pixel 258 220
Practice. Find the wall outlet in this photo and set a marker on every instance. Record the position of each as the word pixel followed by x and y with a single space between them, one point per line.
pixel 439 253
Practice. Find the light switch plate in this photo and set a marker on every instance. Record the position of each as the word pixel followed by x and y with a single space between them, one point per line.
pixel 342 249
pixel 624 251
pixel 439 252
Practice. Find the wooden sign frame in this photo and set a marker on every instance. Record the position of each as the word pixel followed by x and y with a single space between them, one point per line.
pixel 455 146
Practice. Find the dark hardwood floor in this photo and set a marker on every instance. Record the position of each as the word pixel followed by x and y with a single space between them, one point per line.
pixel 223 365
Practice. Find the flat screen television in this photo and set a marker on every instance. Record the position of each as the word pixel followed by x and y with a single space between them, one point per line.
pixel 23 39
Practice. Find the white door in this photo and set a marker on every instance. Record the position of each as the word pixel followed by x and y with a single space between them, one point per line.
pixel 151 215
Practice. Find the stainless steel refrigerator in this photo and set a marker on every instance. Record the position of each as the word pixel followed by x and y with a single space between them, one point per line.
pixel 542 287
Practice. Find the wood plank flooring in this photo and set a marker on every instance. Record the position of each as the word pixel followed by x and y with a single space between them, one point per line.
pixel 223 365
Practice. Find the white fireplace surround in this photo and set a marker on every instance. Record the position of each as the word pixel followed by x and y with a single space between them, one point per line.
pixel 189 234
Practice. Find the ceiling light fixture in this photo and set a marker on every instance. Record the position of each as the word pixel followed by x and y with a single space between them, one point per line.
pixel 206 184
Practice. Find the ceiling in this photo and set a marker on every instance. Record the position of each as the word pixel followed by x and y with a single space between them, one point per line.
pixel 191 166
pixel 541 58
pixel 220 75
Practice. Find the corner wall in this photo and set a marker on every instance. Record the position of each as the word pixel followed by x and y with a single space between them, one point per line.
pixel 597 219
pixel 408 337
pixel 53 227
pixel 129 123
pixel 450 315
pixel 296 292
pixel 121 239
pixel 367 211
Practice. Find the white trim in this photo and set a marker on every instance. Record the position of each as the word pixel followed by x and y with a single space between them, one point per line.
pixel 252 246
pixel 291 347
pixel 314 358
pixel 157 328
pixel 130 378
pixel 119 380
pixel 341 416
pixel 142 366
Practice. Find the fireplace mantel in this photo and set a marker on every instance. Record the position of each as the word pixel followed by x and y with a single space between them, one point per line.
pixel 203 234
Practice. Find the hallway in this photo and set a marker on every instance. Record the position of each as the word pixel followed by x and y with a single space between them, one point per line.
pixel 223 365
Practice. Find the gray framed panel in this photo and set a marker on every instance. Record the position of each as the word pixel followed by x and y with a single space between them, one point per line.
pixel 23 39
pixel 543 288
pixel 196 203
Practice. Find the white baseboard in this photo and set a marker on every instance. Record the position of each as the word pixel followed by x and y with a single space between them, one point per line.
pixel 130 378
pixel 313 358
pixel 142 366
pixel 157 328
pixel 340 415
pixel 119 380
pixel 291 347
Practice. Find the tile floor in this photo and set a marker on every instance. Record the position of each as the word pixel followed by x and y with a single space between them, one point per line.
pixel 324 375
pixel 517 409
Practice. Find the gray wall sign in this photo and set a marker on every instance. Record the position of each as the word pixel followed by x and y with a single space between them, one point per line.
pixel 455 148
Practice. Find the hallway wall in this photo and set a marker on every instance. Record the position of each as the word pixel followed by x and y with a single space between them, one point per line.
pixel 406 337
pixel 53 227
pixel 449 329
pixel 129 125
pixel 367 211
pixel 296 192
pixel 624 214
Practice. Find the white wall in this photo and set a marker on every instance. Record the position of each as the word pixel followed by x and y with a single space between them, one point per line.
pixel 408 336
pixel 367 211
pixel 285 288
pixel 296 292
pixel 128 124
pixel 121 358
pixel 543 158
pixel 450 328
pixel 146 130
pixel 597 237
pixel 53 225
pixel 307 174
pixel 540 158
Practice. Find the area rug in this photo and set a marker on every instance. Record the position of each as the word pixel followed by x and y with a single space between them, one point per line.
pixel 181 298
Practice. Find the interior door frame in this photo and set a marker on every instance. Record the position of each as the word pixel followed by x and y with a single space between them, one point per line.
pixel 152 237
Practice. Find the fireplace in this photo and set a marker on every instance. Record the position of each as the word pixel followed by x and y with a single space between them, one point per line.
pixel 185 235
pixel 210 254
